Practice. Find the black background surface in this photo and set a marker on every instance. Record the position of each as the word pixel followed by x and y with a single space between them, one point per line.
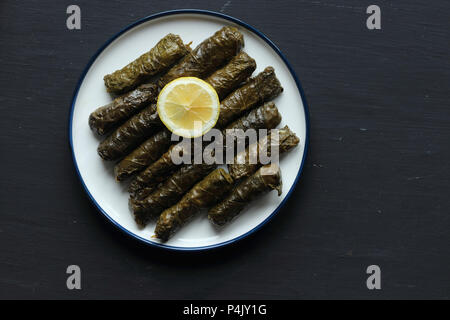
pixel 375 188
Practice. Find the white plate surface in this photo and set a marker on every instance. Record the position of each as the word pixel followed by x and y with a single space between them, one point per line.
pixel 97 176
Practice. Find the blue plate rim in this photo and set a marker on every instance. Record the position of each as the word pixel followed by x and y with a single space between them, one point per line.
pixel 200 12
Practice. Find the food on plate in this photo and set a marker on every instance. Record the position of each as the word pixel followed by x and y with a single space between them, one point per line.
pixel 204 194
pixel 243 167
pixel 175 91
pixel 208 56
pixel 267 178
pixel 188 107
pixel 232 75
pixel 169 192
pixel 167 51
pixel 149 151
pixel 130 134
pixel 121 108
pixel 265 86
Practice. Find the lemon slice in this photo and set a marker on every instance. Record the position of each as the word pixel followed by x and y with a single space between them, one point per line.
pixel 188 106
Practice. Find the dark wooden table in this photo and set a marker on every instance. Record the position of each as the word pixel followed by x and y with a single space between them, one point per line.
pixel 375 189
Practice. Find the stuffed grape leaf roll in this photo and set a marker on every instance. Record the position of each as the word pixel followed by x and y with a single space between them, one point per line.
pixel 233 74
pixel 167 51
pixel 265 86
pixel 263 117
pixel 169 192
pixel 120 109
pixel 130 134
pixel 243 167
pixel 208 56
pixel 267 178
pixel 148 152
pixel 204 194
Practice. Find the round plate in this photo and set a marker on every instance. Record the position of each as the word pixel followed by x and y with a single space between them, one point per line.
pixel 96 176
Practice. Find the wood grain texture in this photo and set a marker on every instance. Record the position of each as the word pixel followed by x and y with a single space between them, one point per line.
pixel 374 190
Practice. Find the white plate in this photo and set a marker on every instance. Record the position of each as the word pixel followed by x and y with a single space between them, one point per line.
pixel 111 198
